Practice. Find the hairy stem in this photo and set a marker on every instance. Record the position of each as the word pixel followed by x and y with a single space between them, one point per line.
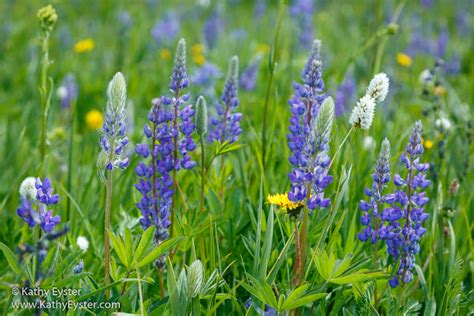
pixel 108 203
pixel 303 241
pixel 203 175
pixel 175 158
pixel 43 90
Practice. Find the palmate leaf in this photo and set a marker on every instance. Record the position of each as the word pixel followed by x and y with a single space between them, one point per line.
pixel 357 277
pixel 332 270
pixel 226 147
pixel 298 298
pixel 119 248
pixel 144 243
pixel 261 290
pixel 159 251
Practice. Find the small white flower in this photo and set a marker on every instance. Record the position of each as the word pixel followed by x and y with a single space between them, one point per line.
pixel 82 243
pixel 443 123
pixel 363 113
pixel 369 143
pixel 425 77
pixel 61 92
pixel 28 189
pixel 378 87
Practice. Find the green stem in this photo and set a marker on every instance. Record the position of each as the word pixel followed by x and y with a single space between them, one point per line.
pixel 196 306
pixel 108 203
pixel 43 90
pixel 376 302
pixel 140 292
pixel 340 146
pixel 303 244
pixel 203 175
pixel 384 40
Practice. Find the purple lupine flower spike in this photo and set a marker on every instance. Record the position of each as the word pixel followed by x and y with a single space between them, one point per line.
pixel 309 149
pixel 303 11
pixel 248 79
pixel 155 183
pixel 42 200
pixel 372 209
pixel 211 29
pixel 169 142
pixel 226 125
pixel 68 91
pixel 114 132
pixel 205 77
pixel 405 218
pixel 345 95
pixel 166 30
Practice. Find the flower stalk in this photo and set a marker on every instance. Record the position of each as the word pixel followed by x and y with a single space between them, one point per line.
pixel 47 17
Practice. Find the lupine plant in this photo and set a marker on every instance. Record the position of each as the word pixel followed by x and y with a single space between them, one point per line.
pixel 406 217
pixel 113 150
pixel 36 198
pixel 175 118
pixel 226 125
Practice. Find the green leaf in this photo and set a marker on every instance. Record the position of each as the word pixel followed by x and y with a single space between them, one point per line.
pixel 261 290
pixel 119 248
pixel 341 266
pixel 280 260
pixel 173 299
pixel 351 236
pixel 144 243
pixel 97 291
pixel 267 245
pixel 226 147
pixel 319 264
pixel 302 301
pixel 357 277
pixel 159 251
pixel 128 243
pixel 11 258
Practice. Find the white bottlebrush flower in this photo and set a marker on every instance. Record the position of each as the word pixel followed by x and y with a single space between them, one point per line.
pixel 443 123
pixel 28 189
pixel 82 243
pixel 363 113
pixel 369 143
pixel 378 87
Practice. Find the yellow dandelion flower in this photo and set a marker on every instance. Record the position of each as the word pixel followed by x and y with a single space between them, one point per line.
pixel 165 54
pixel 404 60
pixel 94 119
pixel 283 201
pixel 199 59
pixel 428 144
pixel 263 49
pixel 85 45
pixel 197 49
pixel 440 91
